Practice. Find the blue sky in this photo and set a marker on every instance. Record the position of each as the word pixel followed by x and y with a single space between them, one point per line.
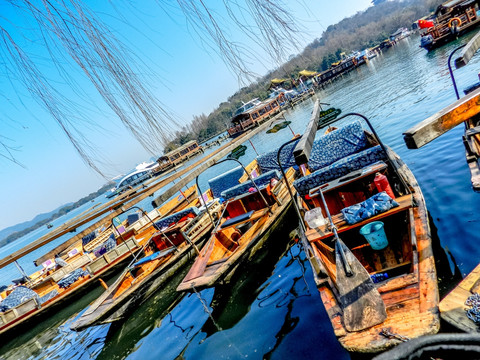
pixel 187 78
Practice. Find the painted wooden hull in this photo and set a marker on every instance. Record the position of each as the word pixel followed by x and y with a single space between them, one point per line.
pixel 219 272
pixel 411 299
pixel 108 308
pixel 452 307
pixel 17 318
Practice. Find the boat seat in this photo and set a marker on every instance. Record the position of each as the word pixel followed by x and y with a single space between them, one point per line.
pixel 171 219
pixel 18 296
pixel 237 219
pixel 338 144
pixel 69 279
pixel 338 169
pixel 243 188
pixel 268 161
pixel 225 181
pixel 471 88
pixel 48 296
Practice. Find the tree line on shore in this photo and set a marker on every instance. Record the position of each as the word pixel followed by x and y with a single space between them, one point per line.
pixel 362 30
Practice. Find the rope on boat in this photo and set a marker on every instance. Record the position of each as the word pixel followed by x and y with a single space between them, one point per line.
pixel 473 312
pixel 207 310
pixel 390 335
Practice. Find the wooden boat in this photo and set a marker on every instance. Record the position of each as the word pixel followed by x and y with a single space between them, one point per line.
pixel 388 294
pixel 179 155
pixel 74 270
pixel 452 19
pixel 166 252
pixel 250 214
pixel 465 110
pixel 252 114
pixel 453 307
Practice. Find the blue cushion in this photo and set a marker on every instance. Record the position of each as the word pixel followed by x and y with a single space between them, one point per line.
pixel 225 181
pixel 374 205
pixel 242 188
pixel 106 246
pixel 87 238
pixel 337 144
pixel 48 296
pixel 153 256
pixel 170 219
pixel 268 161
pixel 18 296
pixel 68 280
pixel 338 169
pixel 132 218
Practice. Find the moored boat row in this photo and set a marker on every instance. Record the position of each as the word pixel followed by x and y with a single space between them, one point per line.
pixel 366 235
pixel 76 268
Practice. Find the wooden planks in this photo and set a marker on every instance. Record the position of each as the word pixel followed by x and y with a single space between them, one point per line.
pixel 468 51
pixel 443 121
pixel 304 146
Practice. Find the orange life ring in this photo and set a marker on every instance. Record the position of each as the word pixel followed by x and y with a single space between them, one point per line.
pixel 454 19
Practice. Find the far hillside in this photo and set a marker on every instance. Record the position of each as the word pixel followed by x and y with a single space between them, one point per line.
pixel 12 233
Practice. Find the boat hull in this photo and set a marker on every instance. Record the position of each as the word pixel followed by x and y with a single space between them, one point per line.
pixel 124 305
pixel 411 299
pixel 222 274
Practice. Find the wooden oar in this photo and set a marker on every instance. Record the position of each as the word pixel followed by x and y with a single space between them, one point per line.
pixel 361 302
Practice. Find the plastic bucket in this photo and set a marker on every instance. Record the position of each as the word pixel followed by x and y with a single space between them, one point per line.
pixel 375 235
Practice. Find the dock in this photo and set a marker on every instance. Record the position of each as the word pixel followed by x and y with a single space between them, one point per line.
pixel 114 207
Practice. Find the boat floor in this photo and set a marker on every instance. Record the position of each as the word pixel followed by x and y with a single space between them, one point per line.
pixel 406 318
pixel 221 268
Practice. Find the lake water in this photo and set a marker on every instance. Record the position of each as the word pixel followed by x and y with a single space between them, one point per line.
pixel 272 309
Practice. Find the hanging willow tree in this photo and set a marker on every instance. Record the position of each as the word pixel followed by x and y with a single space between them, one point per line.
pixel 68 29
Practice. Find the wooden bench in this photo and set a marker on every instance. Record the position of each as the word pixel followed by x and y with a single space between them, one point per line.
pixel 322 232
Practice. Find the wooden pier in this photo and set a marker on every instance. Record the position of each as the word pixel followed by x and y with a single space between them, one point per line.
pixel 114 207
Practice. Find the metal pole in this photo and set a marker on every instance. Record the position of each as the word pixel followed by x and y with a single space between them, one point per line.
pixel 288 185
pixel 206 205
pixel 451 71
pixel 20 269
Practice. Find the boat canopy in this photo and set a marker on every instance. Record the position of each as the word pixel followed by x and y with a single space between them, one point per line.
pixel 307 73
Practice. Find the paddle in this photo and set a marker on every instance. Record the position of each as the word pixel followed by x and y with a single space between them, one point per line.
pixel 361 302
